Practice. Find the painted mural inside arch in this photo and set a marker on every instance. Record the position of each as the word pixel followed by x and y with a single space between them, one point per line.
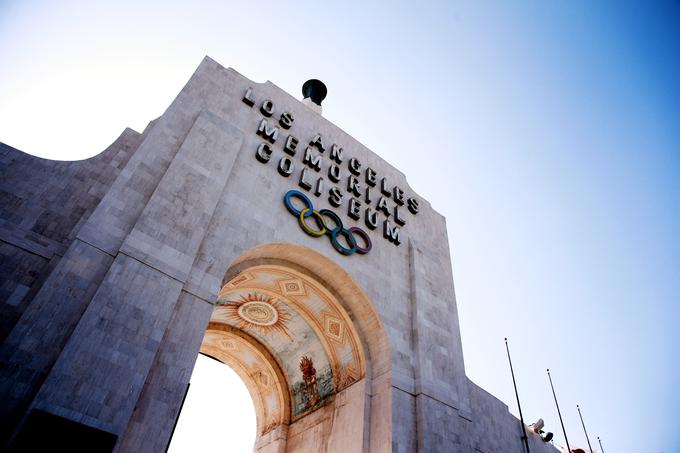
pixel 303 326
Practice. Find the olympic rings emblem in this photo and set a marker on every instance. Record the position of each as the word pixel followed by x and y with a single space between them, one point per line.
pixel 321 228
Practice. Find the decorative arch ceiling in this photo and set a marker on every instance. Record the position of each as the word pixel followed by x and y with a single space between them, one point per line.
pixel 300 323
pixel 257 369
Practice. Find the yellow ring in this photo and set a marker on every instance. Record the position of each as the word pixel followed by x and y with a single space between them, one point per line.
pixel 303 223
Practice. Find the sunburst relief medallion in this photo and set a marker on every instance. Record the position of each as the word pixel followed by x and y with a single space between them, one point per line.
pixel 258 313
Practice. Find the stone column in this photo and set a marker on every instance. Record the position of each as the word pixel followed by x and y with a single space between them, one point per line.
pixel 442 401
pixel 105 365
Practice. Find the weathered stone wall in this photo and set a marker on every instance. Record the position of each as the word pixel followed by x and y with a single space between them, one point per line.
pixel 42 204
pixel 107 333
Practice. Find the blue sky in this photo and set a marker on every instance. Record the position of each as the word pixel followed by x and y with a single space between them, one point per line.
pixel 548 134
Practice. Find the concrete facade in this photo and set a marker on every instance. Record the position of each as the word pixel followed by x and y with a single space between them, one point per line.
pixel 111 269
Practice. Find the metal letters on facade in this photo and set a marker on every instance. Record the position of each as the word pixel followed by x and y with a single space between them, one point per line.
pixel 349 184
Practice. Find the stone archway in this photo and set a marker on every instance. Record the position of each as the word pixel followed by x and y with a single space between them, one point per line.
pixel 256 367
pixel 304 346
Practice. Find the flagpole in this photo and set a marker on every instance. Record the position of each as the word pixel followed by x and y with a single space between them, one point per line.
pixel 584 428
pixel 521 418
pixel 558 412
pixel 600 442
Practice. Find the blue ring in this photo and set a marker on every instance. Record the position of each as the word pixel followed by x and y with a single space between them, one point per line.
pixel 339 229
pixel 301 196
pixel 338 246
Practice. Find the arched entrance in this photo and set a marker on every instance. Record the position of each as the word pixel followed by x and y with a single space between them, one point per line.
pixel 304 345
pixel 218 412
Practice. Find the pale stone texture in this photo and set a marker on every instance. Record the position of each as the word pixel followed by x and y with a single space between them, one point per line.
pixel 100 373
pixel 335 428
pixel 108 334
pixel 168 377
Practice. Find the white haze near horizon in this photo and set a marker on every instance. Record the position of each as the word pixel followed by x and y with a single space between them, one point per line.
pixel 546 132
pixel 218 415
